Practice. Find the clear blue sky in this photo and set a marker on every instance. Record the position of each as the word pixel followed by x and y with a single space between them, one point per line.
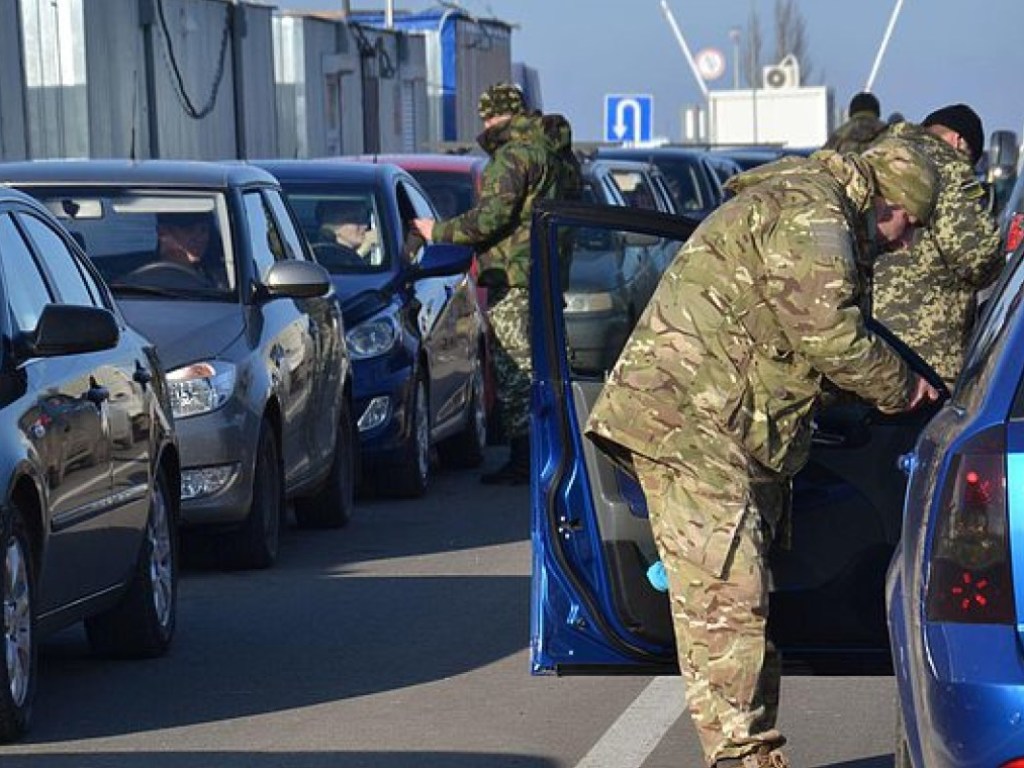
pixel 941 51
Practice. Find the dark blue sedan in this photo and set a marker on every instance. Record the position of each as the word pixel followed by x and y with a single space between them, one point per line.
pixel 415 332
pixel 954 606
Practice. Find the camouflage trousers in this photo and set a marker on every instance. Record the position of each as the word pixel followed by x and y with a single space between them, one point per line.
pixel 730 669
pixel 513 367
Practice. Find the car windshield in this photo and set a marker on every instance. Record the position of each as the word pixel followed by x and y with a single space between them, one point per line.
pixel 451 193
pixel 343 226
pixel 166 245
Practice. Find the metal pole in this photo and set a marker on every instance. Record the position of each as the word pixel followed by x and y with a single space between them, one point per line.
pixel 885 44
pixel 389 14
pixel 734 35
pixel 346 9
pixel 685 48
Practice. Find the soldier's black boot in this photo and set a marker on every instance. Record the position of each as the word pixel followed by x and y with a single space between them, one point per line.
pixel 516 470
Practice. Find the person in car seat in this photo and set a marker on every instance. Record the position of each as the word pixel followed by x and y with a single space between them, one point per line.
pixel 925 294
pixel 711 400
pixel 347 223
pixel 187 239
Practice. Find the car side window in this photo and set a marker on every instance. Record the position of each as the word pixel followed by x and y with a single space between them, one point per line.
pixel 412 205
pixel 264 237
pixel 67 275
pixel 290 235
pixel 26 287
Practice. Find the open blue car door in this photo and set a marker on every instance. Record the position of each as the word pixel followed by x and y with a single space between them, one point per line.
pixel 593 608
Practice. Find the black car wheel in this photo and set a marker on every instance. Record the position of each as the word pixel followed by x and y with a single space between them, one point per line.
pixel 466 449
pixel 256 544
pixel 142 624
pixel 331 506
pixel 412 476
pixel 17 590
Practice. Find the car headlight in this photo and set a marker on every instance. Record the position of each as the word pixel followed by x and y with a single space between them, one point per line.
pixel 200 387
pixel 589 302
pixel 373 338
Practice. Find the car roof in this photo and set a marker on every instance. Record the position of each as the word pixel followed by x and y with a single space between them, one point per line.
pixel 345 170
pixel 183 174
pixel 650 152
pixel 11 195
pixel 426 161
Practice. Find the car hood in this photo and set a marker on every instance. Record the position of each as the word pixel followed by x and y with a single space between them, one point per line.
pixel 185 331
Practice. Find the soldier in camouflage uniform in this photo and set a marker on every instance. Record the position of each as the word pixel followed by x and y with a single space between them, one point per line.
pixel 863 127
pixel 926 294
pixel 712 397
pixel 525 167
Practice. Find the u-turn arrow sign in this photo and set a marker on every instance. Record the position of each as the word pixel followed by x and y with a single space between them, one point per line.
pixel 628 118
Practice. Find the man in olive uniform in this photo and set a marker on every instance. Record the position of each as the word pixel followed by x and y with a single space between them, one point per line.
pixel 926 294
pixel 712 398
pixel 525 167
pixel 863 126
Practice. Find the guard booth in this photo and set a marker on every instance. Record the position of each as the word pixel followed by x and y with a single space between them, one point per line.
pixel 348 88
pixel 465 55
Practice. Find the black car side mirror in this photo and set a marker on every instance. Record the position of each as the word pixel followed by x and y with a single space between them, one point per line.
pixel 65 329
pixel 1004 152
pixel 440 259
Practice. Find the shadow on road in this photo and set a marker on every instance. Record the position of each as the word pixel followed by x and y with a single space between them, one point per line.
pixel 276 760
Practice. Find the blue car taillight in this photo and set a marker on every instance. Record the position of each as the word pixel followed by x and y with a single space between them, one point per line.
pixel 970 580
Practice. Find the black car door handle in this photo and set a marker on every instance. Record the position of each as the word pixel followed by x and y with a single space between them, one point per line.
pixel 142 375
pixel 97 395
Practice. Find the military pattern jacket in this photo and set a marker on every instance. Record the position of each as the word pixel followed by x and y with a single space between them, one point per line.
pixel 524 168
pixel 925 295
pixel 856 134
pixel 759 305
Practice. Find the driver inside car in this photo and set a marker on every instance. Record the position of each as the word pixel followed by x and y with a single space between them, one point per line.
pixel 347 223
pixel 185 239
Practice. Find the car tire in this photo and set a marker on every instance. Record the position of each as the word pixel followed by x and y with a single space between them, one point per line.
pixel 142 624
pixel 256 544
pixel 17 594
pixel 331 506
pixel 412 475
pixel 466 449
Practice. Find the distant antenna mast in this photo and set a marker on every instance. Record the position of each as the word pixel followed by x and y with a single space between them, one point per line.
pixel 685 48
pixel 885 44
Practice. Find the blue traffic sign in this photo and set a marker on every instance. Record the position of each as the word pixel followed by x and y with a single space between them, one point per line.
pixel 628 118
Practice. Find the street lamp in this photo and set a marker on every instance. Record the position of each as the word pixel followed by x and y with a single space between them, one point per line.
pixel 734 35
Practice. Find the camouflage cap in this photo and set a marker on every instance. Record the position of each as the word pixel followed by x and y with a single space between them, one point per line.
pixel 904 176
pixel 501 99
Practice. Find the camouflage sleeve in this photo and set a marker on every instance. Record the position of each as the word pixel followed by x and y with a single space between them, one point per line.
pixel 812 289
pixel 502 190
pixel 963 231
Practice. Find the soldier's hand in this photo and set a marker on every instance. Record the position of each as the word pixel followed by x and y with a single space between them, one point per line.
pixel 923 393
pixel 425 227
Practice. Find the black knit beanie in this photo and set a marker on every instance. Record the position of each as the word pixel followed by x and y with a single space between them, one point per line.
pixel 865 102
pixel 963 120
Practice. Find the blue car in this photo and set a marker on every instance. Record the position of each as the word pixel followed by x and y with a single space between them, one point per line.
pixel 414 329
pixel 954 606
pixel 593 607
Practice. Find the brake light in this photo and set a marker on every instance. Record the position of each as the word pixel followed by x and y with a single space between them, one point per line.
pixel 1016 763
pixel 1014 233
pixel 969 579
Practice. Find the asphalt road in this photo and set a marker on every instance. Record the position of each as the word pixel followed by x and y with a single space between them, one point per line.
pixel 398 641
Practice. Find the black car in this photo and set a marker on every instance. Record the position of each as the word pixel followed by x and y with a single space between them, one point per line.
pixel 691 179
pixel 90 500
pixel 207 261
pixel 415 331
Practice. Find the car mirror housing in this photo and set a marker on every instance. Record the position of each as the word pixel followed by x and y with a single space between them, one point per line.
pixel 295 280
pixel 1004 150
pixel 440 259
pixel 65 329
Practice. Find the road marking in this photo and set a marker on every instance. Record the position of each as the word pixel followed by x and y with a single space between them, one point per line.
pixel 639 730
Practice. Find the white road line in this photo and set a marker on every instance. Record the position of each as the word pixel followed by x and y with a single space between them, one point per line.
pixel 639 730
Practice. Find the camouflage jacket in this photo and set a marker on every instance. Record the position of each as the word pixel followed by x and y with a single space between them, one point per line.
pixel 925 295
pixel 856 133
pixel 523 168
pixel 759 305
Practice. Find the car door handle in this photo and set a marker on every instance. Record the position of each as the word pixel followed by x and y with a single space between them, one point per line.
pixel 97 395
